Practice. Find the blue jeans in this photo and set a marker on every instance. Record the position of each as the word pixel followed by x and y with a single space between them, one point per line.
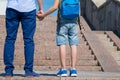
pixel 28 21
pixel 67 30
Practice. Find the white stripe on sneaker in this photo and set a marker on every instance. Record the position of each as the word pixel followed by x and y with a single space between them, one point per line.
pixel 73 75
pixel 64 75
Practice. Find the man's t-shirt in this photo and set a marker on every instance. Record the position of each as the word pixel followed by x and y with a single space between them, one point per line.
pixel 22 5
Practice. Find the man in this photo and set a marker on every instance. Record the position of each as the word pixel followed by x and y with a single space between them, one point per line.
pixel 23 11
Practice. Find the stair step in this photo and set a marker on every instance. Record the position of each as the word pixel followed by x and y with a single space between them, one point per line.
pixel 56 68
pixel 111 48
pixel 104 38
pixel 20 51
pixel 46 52
pixel 38 39
pixel 48 56
pixel 55 62
pixel 56 57
pixel 116 57
pixel 79 68
pixel 118 61
pixel 116 52
pixel 51 75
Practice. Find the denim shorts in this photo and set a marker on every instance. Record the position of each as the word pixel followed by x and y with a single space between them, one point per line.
pixel 67 32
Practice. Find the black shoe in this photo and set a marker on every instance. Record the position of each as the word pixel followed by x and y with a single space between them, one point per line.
pixel 32 74
pixel 8 75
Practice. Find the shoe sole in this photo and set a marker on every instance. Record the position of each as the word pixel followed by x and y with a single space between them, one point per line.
pixel 73 75
pixel 31 76
pixel 63 75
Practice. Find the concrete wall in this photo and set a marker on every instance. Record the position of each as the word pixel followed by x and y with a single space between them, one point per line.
pixel 103 17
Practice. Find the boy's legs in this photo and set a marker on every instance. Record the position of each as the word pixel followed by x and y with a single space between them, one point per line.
pixel 12 24
pixel 73 55
pixel 62 54
pixel 61 38
pixel 73 40
pixel 73 71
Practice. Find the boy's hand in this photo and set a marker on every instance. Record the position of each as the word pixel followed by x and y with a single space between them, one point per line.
pixel 40 15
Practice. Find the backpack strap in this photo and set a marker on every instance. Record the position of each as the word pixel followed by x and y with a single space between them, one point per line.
pixel 58 14
pixel 79 17
pixel 79 22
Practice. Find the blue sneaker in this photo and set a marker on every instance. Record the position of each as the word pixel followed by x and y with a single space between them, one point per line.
pixel 31 74
pixel 62 73
pixel 73 72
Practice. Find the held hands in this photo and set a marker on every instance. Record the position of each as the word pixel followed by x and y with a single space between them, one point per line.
pixel 40 15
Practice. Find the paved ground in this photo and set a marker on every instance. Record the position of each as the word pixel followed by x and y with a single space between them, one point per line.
pixel 80 74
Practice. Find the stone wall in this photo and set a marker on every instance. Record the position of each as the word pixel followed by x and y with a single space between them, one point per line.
pixel 102 15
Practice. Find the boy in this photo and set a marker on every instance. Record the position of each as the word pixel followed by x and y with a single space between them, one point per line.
pixel 65 28
pixel 23 11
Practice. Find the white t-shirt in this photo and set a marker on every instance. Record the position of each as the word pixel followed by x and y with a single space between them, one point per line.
pixel 22 5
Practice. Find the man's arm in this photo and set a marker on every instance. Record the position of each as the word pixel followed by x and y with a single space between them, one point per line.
pixel 40 6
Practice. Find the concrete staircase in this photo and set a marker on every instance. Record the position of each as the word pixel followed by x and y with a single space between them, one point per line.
pixel 46 59
pixel 110 45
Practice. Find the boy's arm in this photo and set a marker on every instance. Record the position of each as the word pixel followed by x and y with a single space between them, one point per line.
pixel 53 8
pixel 50 10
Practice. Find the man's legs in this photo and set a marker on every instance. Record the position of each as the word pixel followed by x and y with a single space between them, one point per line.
pixel 12 24
pixel 29 25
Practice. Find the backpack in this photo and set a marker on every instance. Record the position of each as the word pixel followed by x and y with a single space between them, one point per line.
pixel 69 9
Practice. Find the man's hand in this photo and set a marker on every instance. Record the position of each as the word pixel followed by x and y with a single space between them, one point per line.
pixel 40 15
pixel 40 11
